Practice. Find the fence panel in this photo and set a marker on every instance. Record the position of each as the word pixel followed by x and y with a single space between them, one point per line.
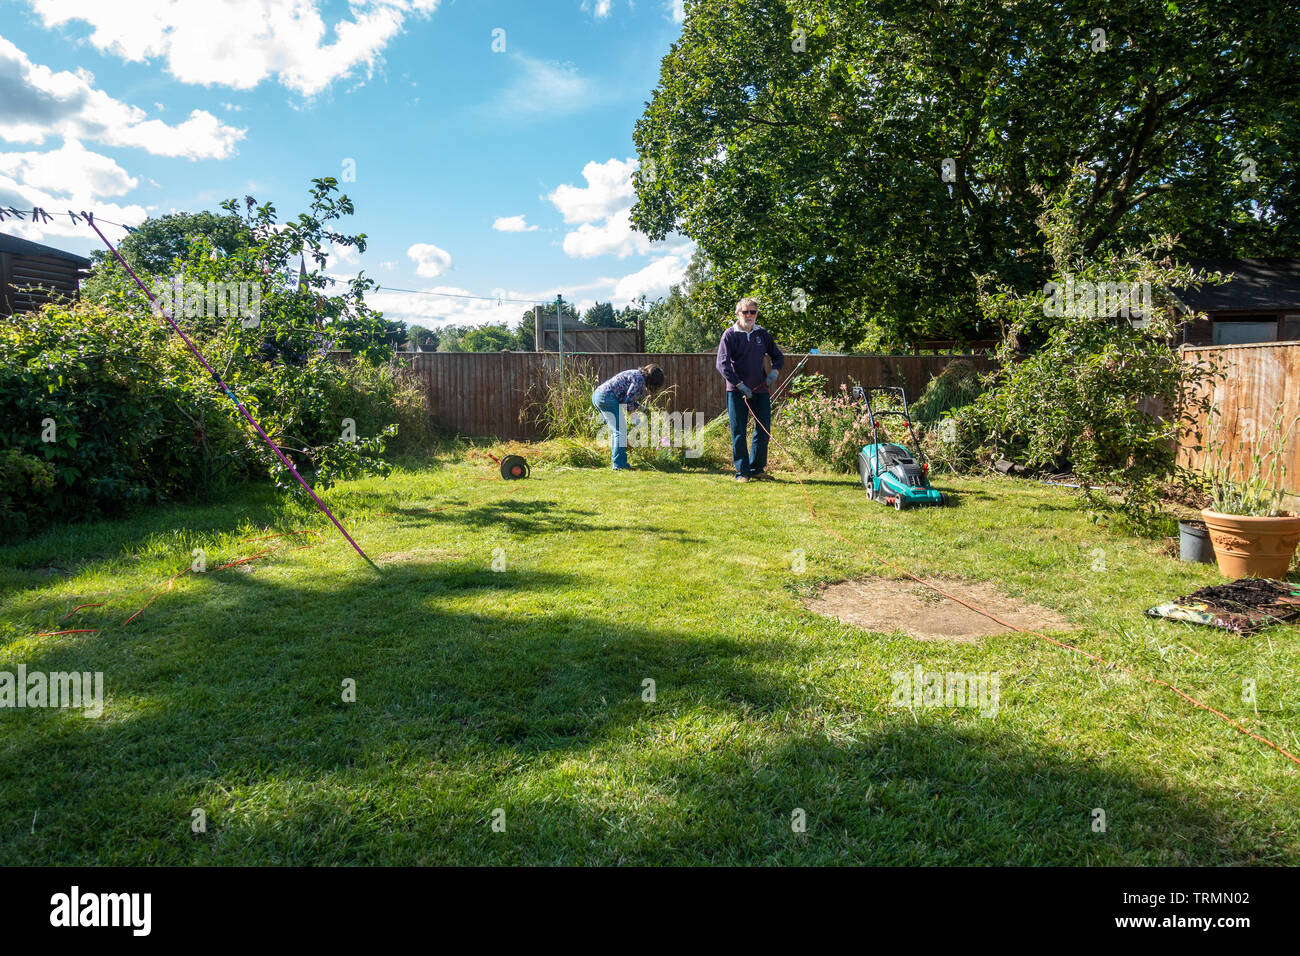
pixel 1258 386
pixel 484 393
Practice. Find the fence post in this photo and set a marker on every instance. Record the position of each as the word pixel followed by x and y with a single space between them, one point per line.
pixel 559 326
pixel 539 328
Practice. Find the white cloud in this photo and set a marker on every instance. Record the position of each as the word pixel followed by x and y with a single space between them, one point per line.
pixel 653 281
pixel 37 102
pixel 512 224
pixel 603 211
pixel 615 236
pixel 676 10
pixel 609 188
pixel 429 260
pixel 69 178
pixel 543 88
pixel 240 43
pixel 343 254
pixel 434 311
pixel 597 8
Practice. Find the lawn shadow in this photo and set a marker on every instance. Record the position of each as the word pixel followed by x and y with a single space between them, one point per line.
pixel 229 695
pixel 932 795
pixel 69 545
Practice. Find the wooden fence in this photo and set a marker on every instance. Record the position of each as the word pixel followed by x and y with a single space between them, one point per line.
pixel 484 393
pixel 1258 385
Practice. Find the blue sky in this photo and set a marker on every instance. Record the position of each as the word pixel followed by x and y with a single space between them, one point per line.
pixel 485 162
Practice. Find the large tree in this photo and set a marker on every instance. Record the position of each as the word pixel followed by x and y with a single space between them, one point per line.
pixel 156 243
pixel 802 144
pixel 155 246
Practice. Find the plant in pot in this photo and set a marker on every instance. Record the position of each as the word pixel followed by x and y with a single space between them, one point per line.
pixel 1253 533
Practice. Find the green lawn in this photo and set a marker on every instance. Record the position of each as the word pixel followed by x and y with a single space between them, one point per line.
pixel 521 689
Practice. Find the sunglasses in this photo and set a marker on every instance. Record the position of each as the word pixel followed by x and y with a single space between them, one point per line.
pixel 748 312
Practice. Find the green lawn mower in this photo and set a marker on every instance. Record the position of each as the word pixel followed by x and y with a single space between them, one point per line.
pixel 890 473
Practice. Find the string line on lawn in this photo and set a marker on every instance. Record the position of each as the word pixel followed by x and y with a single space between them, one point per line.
pixel 172 580
pixel 1236 725
pixel 230 564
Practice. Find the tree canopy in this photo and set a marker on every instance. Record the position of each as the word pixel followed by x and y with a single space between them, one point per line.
pixel 155 245
pixel 859 164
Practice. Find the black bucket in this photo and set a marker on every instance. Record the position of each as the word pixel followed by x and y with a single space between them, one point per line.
pixel 1194 542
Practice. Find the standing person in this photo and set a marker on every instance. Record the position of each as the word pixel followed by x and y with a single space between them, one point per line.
pixel 626 389
pixel 740 361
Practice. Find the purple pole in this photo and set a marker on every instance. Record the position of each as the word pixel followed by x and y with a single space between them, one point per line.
pixel 222 385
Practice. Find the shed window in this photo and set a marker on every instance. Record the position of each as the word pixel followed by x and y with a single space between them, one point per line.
pixel 1241 332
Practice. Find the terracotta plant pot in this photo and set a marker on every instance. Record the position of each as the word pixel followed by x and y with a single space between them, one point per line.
pixel 1250 547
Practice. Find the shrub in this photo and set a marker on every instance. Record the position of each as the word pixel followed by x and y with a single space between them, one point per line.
pixel 822 430
pixel 806 384
pixel 376 397
pixel 1105 393
pixel 114 407
pixel 955 443
pixel 108 397
pixel 25 486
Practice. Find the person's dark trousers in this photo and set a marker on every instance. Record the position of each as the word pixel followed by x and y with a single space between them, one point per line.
pixel 762 405
pixel 738 416
pixel 755 458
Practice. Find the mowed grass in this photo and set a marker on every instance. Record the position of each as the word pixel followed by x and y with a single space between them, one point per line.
pixel 522 689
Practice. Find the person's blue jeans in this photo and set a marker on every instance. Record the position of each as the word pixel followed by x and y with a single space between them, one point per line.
pixel 755 459
pixel 616 421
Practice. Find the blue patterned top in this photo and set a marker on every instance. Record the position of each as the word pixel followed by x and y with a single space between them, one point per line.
pixel 627 388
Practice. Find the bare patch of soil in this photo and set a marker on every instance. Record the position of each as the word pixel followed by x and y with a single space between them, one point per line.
pixel 889 604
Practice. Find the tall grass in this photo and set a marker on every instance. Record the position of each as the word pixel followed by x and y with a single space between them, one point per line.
pixel 956 386
pixel 378 395
pixel 560 405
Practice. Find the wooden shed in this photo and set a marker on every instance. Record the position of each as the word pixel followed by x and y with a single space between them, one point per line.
pixel 1261 303
pixel 32 274
pixel 581 337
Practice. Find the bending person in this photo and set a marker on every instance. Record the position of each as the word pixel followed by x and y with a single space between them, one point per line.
pixel 619 395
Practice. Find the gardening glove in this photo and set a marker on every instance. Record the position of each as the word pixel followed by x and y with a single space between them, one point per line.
pixel 745 390
pixel 772 376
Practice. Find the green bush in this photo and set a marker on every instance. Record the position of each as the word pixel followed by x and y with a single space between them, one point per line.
pixel 114 407
pixel 25 486
pixel 376 396
pixel 1105 390
pixel 827 431
pixel 107 396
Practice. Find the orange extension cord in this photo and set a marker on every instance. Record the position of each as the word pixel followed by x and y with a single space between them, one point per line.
pixel 172 580
pixel 993 617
